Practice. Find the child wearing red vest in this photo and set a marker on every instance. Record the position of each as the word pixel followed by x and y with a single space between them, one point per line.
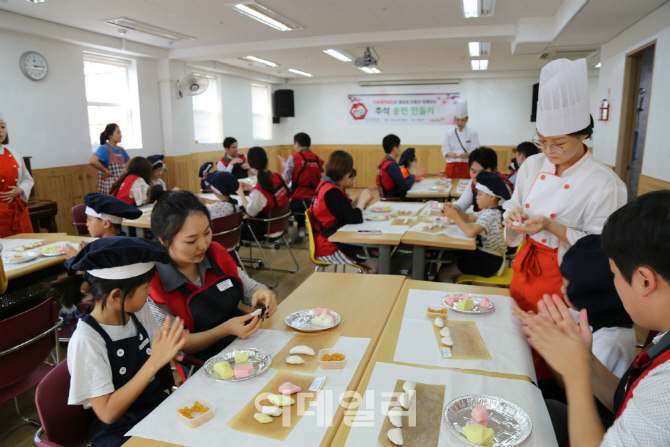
pixel 133 185
pixel 636 239
pixel 270 192
pixel 303 170
pixel 332 208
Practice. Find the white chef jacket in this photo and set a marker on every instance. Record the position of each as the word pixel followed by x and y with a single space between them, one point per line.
pixel 469 139
pixel 25 181
pixel 581 199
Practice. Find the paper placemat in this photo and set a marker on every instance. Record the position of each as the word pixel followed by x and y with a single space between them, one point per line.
pixel 383 226
pixel 462 185
pixel 315 340
pixel 281 426
pixel 500 330
pixel 162 424
pixel 427 185
pixel 450 230
pixel 367 421
pixel 423 429
pixel 468 343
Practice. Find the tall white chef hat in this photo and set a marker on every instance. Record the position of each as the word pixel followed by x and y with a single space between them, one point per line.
pixel 563 100
pixel 462 109
pixel 2 117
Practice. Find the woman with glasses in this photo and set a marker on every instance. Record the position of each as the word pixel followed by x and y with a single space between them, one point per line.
pixel 561 194
pixel 332 208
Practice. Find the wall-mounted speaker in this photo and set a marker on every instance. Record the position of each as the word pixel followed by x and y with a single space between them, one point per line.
pixel 283 106
pixel 533 106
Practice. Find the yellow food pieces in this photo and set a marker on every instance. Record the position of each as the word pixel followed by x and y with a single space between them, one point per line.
pixel 222 370
pixel 437 311
pixel 263 418
pixel 197 407
pixel 465 305
pixel 240 357
pixel 478 434
pixel 332 357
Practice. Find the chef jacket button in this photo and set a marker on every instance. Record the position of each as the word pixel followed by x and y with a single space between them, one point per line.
pixel 527 205
pixel 148 351
pixel 542 178
pixel 141 337
pixel 122 371
pixel 120 352
pixel 567 187
pixel 544 241
pixel 552 215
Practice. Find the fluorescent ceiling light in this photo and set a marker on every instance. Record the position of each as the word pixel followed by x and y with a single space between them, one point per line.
pixel 475 49
pixel 478 8
pixel 480 64
pixel 148 29
pixel 33 1
pixel 598 65
pixel 408 82
pixel 301 73
pixel 339 54
pixel 264 15
pixel 370 70
pixel 259 60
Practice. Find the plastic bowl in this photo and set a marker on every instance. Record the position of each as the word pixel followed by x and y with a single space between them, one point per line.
pixel 200 419
pixel 332 364
pixel 433 315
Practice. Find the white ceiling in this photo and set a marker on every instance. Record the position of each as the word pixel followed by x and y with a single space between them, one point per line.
pixel 411 36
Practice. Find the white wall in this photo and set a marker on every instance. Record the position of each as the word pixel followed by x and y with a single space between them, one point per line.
pixel 48 119
pixel 656 154
pixel 499 110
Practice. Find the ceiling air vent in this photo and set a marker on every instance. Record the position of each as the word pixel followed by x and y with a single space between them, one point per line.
pixel 568 53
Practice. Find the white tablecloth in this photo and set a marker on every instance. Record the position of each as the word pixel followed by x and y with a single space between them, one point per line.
pixel 449 230
pixel 163 425
pixel 370 417
pixel 427 186
pixel 500 330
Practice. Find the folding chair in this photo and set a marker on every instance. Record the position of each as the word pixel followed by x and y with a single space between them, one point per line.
pixel 312 249
pixel 227 231
pixel 503 278
pixel 383 198
pixel 306 201
pixel 28 340
pixel 79 219
pixel 277 224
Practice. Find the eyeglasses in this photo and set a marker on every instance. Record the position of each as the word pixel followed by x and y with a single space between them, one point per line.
pixel 553 147
pixel 352 174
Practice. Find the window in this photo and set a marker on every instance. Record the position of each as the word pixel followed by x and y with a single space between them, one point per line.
pixel 207 122
pixel 112 96
pixel 260 111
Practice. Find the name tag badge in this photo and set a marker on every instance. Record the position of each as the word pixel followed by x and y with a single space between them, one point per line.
pixel 224 285
pixel 144 343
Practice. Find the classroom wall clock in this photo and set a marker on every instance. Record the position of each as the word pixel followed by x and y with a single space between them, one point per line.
pixel 33 65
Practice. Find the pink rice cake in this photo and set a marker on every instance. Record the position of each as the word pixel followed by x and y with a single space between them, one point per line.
pixel 476 422
pixel 480 413
pixel 318 311
pixel 451 299
pixel 288 388
pixel 243 370
pixel 485 304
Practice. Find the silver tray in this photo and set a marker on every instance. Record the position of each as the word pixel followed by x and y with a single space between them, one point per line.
pixel 438 220
pixel 377 218
pixel 475 301
pixel 257 357
pixel 26 256
pixel 302 321
pixel 511 424
pixel 54 255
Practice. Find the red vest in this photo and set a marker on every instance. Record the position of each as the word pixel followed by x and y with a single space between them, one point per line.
pixel 174 299
pixel 123 191
pixel 307 168
pixel 322 220
pixel 383 178
pixel 238 171
pixel 280 195
pixel 642 365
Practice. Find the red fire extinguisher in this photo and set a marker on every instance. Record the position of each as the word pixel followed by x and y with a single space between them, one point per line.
pixel 604 111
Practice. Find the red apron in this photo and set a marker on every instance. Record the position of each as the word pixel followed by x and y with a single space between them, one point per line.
pixel 459 169
pixel 117 166
pixel 383 178
pixel 14 217
pixel 324 224
pixel 276 199
pixel 307 168
pixel 536 272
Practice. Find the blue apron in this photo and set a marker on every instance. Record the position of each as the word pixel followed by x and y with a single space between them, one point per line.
pixel 126 357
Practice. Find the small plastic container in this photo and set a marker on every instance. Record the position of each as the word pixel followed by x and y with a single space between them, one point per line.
pixel 433 315
pixel 332 364
pixel 201 418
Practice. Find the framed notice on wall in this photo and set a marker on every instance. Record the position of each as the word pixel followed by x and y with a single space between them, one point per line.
pixel 410 108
